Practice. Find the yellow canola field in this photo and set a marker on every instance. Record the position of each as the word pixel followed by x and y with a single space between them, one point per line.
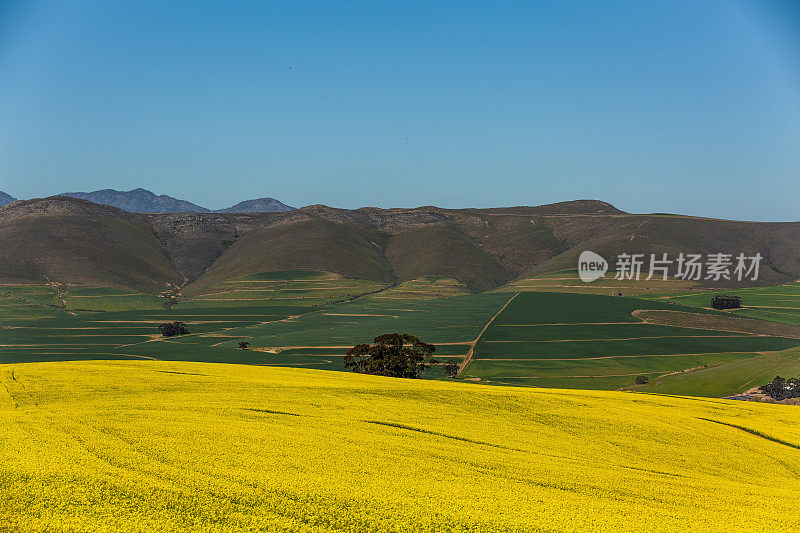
pixel 157 446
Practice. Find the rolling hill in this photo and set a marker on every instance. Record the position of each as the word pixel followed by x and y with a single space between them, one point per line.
pixel 778 243
pixel 72 241
pixel 480 248
pixel 315 244
pixel 161 446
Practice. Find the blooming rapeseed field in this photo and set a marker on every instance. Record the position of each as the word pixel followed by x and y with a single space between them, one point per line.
pixel 138 446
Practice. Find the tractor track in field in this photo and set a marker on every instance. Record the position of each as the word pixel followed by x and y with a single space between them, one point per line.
pixel 474 342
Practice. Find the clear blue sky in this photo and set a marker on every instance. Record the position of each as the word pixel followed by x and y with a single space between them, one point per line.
pixel 679 106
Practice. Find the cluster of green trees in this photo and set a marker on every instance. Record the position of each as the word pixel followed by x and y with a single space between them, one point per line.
pixel 171 329
pixel 782 389
pixel 392 354
pixel 723 301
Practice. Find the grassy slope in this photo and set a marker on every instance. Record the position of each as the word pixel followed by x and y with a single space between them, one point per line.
pixel 729 378
pixel 308 245
pixel 444 251
pixel 186 446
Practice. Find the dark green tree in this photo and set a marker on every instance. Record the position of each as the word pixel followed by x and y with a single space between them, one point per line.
pixel 723 301
pixel 392 354
pixel 451 369
pixel 642 380
pixel 243 345
pixel 171 329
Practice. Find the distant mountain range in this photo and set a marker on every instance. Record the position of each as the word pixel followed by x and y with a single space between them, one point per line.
pixel 144 201
pixel 6 198
pixel 138 201
pixel 75 241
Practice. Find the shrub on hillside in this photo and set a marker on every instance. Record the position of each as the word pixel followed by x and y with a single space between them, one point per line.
pixel 393 354
pixel 171 329
pixel 723 301
pixel 642 380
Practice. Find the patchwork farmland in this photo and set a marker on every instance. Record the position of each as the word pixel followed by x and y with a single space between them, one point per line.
pixel 779 303
pixel 310 319
pixel 569 281
pixel 590 341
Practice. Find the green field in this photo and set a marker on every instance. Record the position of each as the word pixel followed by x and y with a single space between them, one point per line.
pixel 735 376
pixel 310 319
pixel 569 281
pixel 591 341
pixel 86 299
pixel 779 303
pixel 296 287
pixel 160 446
pixel 282 331
pixel 424 288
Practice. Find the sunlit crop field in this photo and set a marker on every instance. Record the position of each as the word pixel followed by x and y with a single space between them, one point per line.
pixel 568 281
pixel 779 303
pixel 158 446
pixel 596 342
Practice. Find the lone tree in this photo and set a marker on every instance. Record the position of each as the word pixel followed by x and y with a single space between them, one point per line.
pixel 171 329
pixel 642 380
pixel 451 369
pixel 393 354
pixel 243 345
pixel 723 301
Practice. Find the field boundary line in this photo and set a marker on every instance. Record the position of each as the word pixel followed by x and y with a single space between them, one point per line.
pixel 618 356
pixel 742 336
pixel 468 357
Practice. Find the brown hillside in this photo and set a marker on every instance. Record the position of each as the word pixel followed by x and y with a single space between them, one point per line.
pixel 302 245
pixel 68 240
pixel 75 241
